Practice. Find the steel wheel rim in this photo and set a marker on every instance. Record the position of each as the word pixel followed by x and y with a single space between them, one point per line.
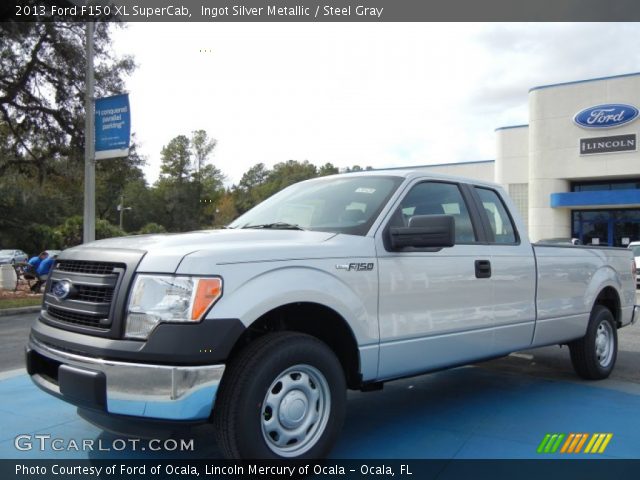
pixel 295 410
pixel 604 343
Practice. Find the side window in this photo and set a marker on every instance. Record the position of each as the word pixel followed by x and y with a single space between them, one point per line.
pixel 436 198
pixel 501 224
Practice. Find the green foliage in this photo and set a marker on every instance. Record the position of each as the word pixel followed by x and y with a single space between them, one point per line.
pixel 41 237
pixel 70 232
pixel 152 228
pixel 42 130
pixel 189 187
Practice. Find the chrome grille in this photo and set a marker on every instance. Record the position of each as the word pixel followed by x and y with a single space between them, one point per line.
pixel 88 304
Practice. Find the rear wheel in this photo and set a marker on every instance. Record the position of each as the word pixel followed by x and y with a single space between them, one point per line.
pixel 283 396
pixel 594 355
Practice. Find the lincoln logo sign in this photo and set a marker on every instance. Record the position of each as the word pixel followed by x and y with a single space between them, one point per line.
pixel 606 116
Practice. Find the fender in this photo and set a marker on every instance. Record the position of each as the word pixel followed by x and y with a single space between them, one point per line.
pixel 283 285
pixel 604 277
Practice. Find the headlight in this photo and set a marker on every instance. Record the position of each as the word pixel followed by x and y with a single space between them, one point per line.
pixel 167 298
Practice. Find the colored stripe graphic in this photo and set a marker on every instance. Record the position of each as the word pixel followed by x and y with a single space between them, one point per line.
pixel 581 443
pixel 573 443
pixel 543 442
pixel 606 442
pixel 568 442
pixel 557 444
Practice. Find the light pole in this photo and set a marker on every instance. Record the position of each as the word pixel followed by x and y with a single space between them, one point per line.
pixel 89 224
pixel 121 209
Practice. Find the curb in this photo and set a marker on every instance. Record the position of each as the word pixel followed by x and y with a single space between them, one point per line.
pixel 18 310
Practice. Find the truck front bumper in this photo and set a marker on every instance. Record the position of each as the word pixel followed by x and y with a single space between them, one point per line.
pixel 121 388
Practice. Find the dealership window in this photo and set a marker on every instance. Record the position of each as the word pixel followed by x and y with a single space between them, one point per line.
pixel 615 228
pixel 626 184
pixel 519 193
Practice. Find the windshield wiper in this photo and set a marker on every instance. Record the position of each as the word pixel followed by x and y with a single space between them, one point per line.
pixel 276 225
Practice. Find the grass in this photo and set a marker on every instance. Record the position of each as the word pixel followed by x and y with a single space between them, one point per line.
pixel 19 302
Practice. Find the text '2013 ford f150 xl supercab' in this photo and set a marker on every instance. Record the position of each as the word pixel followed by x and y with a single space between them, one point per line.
pixel 337 283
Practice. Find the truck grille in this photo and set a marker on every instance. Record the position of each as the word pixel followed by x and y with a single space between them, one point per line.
pixel 94 268
pixel 94 294
pixel 89 304
pixel 77 318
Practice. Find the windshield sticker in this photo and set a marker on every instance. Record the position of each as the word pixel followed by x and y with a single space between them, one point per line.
pixel 366 190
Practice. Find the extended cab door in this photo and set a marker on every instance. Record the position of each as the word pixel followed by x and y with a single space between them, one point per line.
pixel 437 306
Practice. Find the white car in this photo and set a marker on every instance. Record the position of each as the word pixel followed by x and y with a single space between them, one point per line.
pixel 635 246
pixel 12 256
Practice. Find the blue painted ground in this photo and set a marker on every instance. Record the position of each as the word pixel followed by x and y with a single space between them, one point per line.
pixel 464 413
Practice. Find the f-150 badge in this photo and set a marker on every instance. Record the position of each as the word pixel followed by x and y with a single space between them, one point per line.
pixel 355 267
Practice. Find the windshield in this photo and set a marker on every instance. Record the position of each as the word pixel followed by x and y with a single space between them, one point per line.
pixel 636 250
pixel 331 204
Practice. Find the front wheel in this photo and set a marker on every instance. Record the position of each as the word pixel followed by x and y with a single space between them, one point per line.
pixel 283 396
pixel 594 355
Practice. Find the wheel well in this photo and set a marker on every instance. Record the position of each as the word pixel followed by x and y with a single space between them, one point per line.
pixel 316 320
pixel 608 297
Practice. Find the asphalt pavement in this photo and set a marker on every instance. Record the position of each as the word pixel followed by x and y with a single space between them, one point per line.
pixel 14 331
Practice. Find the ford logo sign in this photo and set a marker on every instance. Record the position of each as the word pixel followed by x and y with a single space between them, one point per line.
pixel 61 289
pixel 606 116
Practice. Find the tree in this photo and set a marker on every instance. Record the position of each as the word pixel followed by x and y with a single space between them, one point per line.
pixel 42 125
pixel 42 89
pixel 152 228
pixel 248 191
pixel 225 210
pixel 327 169
pixel 176 159
pixel 201 148
pixel 189 186
pixel 288 173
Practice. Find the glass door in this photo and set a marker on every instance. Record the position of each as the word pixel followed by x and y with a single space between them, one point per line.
pixel 594 227
pixel 626 228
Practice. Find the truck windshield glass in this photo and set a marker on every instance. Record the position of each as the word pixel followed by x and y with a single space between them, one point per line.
pixel 347 204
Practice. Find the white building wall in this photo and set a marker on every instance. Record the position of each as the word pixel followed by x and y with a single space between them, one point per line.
pixel 512 165
pixel 554 146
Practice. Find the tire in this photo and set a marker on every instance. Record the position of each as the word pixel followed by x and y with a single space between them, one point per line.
pixel 282 396
pixel 594 355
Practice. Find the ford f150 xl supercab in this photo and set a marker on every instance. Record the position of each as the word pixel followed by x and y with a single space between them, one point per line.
pixel 342 282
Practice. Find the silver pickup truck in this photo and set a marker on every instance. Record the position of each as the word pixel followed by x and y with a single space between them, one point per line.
pixel 337 283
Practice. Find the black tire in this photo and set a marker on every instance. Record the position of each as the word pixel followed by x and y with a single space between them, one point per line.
pixel 242 414
pixel 591 359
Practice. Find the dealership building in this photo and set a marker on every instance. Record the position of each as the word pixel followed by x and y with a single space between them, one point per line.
pixel 574 169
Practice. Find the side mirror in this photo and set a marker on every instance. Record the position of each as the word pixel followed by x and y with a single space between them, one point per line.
pixel 425 231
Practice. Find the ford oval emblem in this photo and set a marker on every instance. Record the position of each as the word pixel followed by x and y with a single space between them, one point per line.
pixel 606 116
pixel 61 289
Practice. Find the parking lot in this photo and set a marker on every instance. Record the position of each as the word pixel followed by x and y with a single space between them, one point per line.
pixel 497 409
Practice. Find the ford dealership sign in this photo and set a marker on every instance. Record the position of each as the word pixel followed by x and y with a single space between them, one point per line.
pixel 606 116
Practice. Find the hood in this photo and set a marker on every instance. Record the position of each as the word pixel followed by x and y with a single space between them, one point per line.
pixel 164 252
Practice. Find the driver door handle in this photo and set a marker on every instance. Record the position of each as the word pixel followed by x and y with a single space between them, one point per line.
pixel 483 269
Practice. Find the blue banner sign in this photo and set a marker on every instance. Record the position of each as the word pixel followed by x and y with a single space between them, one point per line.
pixel 606 116
pixel 112 126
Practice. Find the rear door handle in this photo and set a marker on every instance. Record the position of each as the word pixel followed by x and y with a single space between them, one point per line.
pixel 483 269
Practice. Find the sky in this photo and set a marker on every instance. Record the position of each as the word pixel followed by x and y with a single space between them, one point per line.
pixel 384 95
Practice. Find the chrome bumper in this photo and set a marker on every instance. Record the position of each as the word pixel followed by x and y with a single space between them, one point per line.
pixel 635 314
pixel 141 390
